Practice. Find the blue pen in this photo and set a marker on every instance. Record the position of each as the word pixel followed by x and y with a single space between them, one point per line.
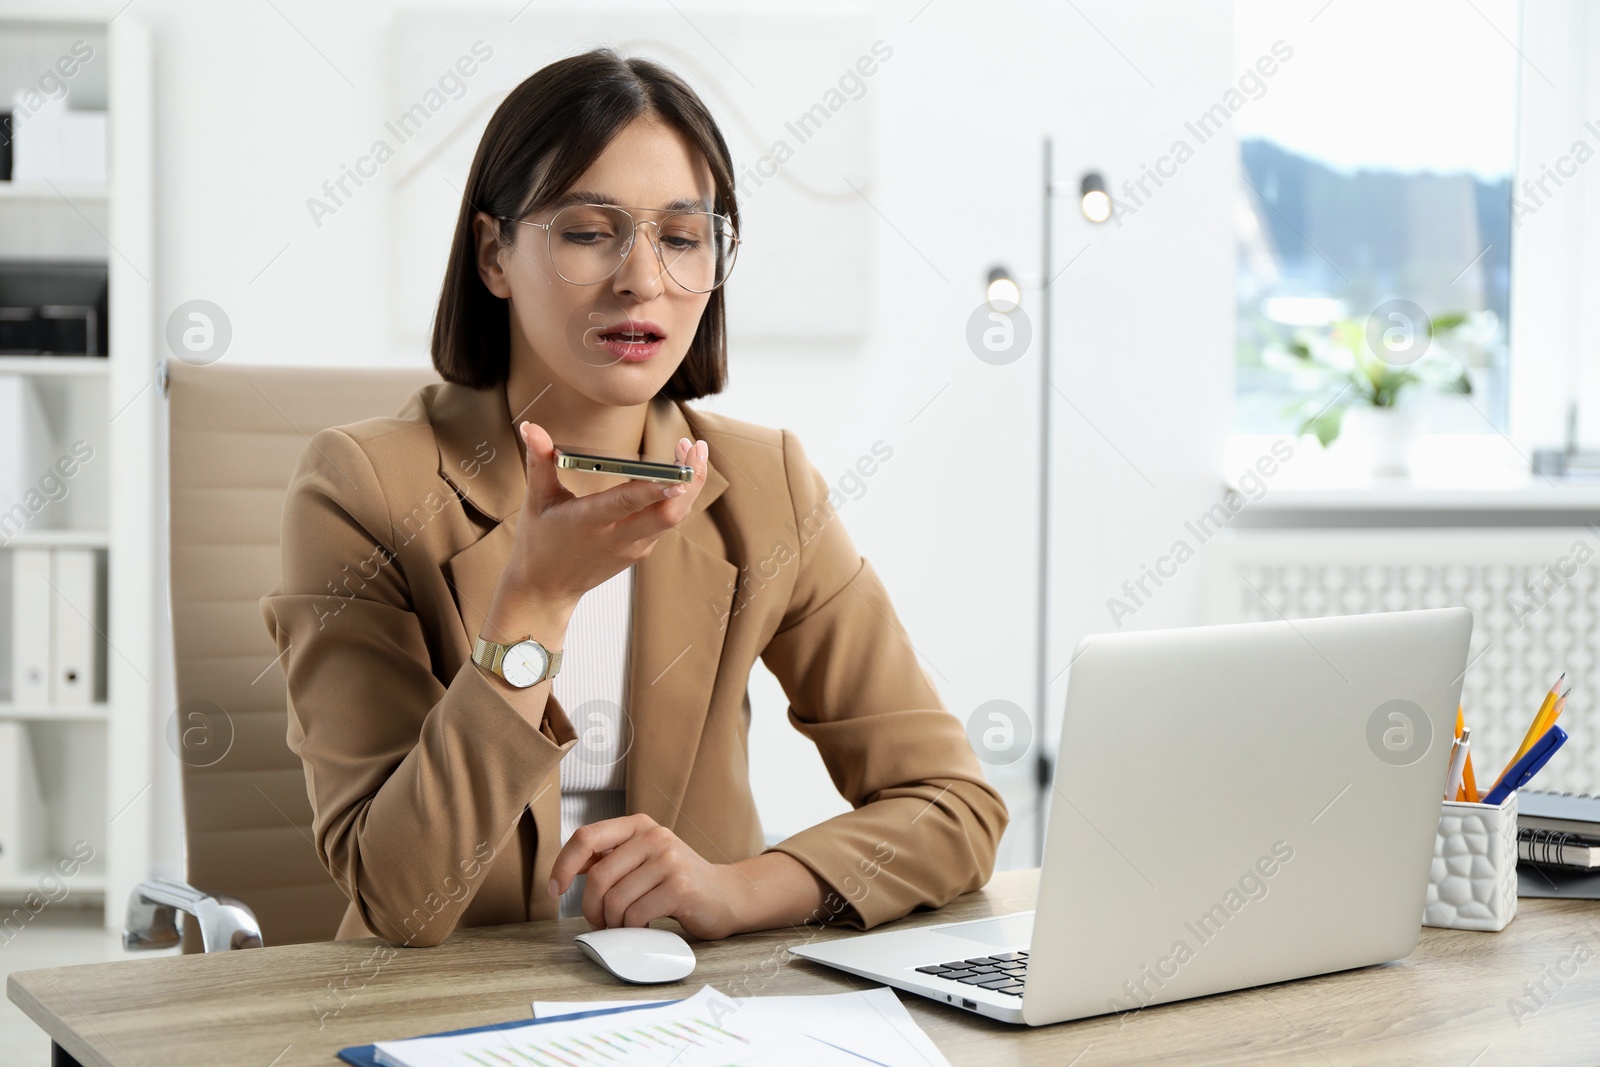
pixel 1528 766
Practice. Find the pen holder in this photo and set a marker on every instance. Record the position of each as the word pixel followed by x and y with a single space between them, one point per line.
pixel 1473 885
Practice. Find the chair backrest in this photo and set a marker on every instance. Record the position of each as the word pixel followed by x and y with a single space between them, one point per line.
pixel 236 433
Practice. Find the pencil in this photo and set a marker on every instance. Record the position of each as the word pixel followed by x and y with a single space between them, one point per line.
pixel 1555 713
pixel 1545 719
pixel 1534 730
pixel 1469 782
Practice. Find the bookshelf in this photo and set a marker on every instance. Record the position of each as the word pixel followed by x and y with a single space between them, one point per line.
pixel 94 760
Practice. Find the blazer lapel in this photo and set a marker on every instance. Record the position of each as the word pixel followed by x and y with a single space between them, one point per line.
pixel 479 458
pixel 683 591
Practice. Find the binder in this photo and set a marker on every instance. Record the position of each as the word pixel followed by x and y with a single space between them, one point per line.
pixel 20 809
pixel 25 451
pixel 74 637
pixel 31 602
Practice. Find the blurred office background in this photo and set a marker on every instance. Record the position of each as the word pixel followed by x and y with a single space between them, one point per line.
pixel 1296 189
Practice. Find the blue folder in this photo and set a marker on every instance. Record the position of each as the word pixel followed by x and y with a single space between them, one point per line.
pixel 367 1055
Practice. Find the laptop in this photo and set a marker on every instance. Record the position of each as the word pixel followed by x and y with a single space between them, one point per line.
pixel 1232 806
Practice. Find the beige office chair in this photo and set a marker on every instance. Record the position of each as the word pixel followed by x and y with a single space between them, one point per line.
pixel 235 435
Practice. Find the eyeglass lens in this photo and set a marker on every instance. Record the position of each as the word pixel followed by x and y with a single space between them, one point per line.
pixel 589 241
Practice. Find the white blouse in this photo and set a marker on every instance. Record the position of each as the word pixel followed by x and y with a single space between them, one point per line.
pixel 592 688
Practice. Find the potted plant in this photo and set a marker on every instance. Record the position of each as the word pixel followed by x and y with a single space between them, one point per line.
pixel 1354 375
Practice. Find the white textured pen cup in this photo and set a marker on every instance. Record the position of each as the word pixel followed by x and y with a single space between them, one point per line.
pixel 1473 885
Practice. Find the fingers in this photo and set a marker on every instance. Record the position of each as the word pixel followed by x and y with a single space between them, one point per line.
pixel 616 881
pixel 647 892
pixel 616 884
pixel 692 453
pixel 650 875
pixel 605 871
pixel 657 903
pixel 652 522
pixel 620 501
pixel 544 488
pixel 586 845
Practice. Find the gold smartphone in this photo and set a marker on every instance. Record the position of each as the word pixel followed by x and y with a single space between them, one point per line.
pixel 574 460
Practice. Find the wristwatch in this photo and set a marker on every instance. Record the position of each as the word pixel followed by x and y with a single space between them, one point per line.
pixel 522 663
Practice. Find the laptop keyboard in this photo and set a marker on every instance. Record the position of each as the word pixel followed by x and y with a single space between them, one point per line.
pixel 1004 972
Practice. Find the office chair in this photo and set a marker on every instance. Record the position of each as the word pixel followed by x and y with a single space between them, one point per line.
pixel 236 433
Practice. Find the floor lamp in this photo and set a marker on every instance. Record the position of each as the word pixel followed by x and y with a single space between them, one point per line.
pixel 1096 205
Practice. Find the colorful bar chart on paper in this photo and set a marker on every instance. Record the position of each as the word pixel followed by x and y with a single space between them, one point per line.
pixel 635 1044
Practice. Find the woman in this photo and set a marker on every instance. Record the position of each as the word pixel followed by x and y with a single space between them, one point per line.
pixel 436 563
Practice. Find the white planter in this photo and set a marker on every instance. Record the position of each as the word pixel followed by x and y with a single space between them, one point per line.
pixel 1382 438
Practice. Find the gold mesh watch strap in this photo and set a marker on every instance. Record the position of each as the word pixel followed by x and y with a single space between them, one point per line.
pixel 489 655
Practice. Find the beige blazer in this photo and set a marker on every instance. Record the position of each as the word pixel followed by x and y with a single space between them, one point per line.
pixel 436 805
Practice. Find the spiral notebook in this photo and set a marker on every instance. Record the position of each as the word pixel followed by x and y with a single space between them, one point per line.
pixel 1554 848
pixel 1542 811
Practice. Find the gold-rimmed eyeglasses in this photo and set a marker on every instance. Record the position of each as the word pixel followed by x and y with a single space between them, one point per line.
pixel 589 242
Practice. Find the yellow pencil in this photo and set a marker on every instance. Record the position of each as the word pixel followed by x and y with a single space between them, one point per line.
pixel 1541 723
pixel 1535 730
pixel 1555 712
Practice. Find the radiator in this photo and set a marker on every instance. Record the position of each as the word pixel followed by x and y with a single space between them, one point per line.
pixel 1534 596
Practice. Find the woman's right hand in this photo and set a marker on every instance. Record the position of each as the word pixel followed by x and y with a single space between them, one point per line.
pixel 567 544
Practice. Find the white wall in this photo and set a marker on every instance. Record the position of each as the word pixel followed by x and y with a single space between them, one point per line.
pixel 251 119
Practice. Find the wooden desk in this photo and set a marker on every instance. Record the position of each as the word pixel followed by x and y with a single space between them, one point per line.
pixel 275 1007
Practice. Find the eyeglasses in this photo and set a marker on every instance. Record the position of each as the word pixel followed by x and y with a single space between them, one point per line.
pixel 588 242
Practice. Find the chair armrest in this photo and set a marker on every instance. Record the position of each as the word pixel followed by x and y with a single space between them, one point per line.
pixel 153 906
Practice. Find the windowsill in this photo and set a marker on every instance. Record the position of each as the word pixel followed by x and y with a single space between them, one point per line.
pixel 1450 472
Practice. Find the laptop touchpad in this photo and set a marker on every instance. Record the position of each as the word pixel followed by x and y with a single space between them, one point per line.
pixel 1009 931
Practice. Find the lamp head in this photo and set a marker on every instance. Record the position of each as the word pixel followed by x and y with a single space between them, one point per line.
pixel 1002 293
pixel 1093 199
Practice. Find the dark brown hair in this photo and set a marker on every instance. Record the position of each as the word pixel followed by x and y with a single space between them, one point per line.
pixel 540 140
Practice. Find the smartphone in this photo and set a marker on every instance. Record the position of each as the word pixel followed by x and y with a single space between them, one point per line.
pixel 642 469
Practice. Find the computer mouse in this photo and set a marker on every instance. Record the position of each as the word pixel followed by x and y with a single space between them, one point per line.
pixel 639 954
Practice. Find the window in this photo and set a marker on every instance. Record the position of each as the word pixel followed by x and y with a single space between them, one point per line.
pixel 1376 165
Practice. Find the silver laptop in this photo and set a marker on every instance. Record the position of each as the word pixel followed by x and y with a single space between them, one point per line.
pixel 1233 806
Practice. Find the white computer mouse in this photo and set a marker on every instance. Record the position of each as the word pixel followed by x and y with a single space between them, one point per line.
pixel 639 954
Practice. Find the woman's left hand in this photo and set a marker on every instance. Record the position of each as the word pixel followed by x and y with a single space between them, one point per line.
pixel 639 870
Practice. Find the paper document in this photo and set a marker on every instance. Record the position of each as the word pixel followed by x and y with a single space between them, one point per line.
pixel 550 1009
pixel 709 1029
pixel 880 1027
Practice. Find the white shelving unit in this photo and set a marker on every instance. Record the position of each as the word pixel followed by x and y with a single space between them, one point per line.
pixel 94 761
pixel 55 366
pixel 49 192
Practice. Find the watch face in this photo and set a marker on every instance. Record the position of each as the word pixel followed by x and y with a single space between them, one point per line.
pixel 524 663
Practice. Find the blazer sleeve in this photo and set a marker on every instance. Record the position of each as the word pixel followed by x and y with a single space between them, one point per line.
pixel 925 824
pixel 415 785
